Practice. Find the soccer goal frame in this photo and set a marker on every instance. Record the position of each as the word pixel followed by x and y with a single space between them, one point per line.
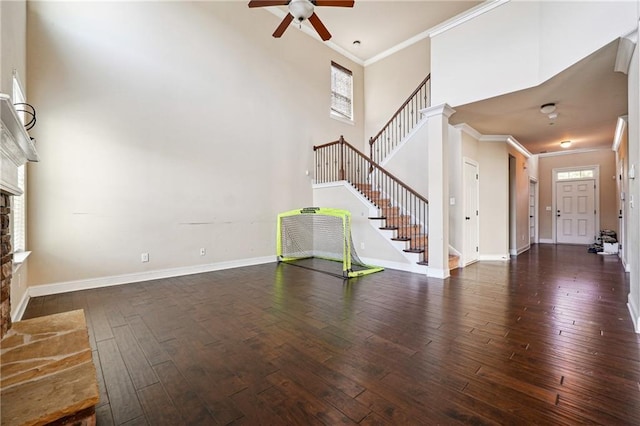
pixel 323 234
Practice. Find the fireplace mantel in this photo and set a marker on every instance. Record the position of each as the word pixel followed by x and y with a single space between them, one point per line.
pixel 16 147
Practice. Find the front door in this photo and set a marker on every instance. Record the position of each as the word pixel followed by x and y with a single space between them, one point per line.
pixel 575 212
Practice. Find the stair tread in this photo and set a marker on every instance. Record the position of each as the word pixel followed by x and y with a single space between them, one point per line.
pixel 413 250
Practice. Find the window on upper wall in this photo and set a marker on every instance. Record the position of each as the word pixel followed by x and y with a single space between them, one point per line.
pixel 18 207
pixel 575 174
pixel 341 92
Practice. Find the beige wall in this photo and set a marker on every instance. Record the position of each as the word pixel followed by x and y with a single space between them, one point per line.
pixel 520 205
pixel 13 56
pixel 13 35
pixel 476 61
pixel 390 81
pixel 166 127
pixel 493 159
pixel 603 158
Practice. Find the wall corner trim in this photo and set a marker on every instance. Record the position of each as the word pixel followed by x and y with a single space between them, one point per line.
pixel 635 315
pixel 442 109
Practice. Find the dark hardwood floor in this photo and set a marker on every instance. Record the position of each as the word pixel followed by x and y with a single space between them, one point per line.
pixel 543 339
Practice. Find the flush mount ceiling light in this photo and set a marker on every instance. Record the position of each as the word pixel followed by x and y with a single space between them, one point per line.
pixel 356 43
pixel 565 144
pixel 548 108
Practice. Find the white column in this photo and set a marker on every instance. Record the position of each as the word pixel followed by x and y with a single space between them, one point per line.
pixel 438 196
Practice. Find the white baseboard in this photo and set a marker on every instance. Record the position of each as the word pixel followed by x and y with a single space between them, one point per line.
pixel 438 273
pixel 635 315
pixel 406 267
pixel 18 311
pixel 494 257
pixel 546 241
pixel 64 287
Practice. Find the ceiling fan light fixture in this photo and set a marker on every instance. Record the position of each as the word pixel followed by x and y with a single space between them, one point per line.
pixel 548 108
pixel 301 9
pixel 565 144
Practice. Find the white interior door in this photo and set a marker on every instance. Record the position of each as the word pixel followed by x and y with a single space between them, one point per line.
pixel 532 212
pixel 471 220
pixel 575 212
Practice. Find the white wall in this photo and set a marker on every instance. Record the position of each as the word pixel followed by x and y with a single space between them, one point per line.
pixel 166 127
pixel 390 81
pixel 408 162
pixel 633 218
pixel 456 187
pixel 521 44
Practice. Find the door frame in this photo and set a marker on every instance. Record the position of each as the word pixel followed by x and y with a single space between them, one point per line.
pixel 533 182
pixel 554 207
pixel 465 255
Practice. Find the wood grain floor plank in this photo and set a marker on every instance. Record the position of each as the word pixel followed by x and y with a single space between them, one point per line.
pixel 158 408
pixel 123 399
pixel 544 338
pixel 187 401
pixel 140 371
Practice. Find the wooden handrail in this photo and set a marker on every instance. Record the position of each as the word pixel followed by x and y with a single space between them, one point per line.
pixel 372 164
pixel 373 139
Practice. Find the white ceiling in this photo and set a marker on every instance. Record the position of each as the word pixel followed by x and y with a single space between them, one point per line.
pixel 589 98
pixel 589 95
pixel 382 25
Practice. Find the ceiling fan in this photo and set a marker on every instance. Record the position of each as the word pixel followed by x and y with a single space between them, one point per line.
pixel 301 10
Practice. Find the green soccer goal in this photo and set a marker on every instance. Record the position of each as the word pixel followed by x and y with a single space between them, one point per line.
pixel 320 239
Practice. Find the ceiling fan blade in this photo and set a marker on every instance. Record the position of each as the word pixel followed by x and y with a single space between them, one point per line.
pixel 265 3
pixel 334 3
pixel 319 26
pixel 283 26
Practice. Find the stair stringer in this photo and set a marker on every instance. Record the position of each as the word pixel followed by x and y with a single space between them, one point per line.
pixel 378 249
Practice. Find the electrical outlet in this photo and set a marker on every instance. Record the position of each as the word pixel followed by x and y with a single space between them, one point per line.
pixel 362 246
pixel 144 257
pixel 203 251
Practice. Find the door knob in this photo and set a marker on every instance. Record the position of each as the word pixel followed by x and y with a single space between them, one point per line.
pixel 467 218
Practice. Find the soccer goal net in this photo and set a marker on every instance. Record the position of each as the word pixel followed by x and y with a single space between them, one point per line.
pixel 320 239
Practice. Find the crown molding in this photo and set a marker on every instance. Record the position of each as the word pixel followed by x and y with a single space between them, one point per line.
pixel 465 128
pixel 509 140
pixel 571 151
pixel 431 32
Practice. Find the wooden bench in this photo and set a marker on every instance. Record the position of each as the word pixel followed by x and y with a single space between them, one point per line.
pixel 47 375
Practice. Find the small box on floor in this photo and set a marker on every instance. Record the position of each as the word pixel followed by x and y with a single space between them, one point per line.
pixel 610 247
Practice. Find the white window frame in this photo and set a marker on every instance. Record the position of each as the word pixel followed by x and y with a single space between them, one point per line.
pixel 18 205
pixel 335 112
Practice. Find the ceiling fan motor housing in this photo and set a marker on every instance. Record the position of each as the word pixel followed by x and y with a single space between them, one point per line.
pixel 301 9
